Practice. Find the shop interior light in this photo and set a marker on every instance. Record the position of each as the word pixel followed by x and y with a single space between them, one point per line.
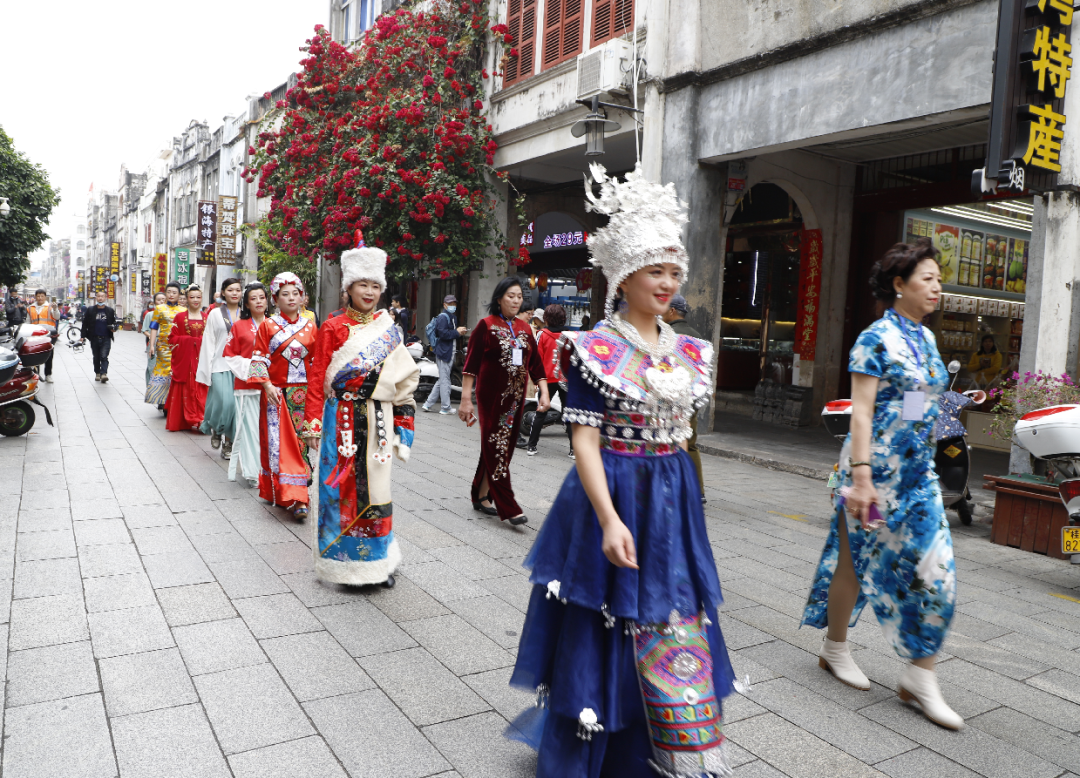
pixel 1016 206
pixel 975 215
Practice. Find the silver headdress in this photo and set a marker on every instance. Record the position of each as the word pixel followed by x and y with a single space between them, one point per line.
pixel 645 227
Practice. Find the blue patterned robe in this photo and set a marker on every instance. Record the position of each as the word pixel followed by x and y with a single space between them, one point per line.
pixel 906 569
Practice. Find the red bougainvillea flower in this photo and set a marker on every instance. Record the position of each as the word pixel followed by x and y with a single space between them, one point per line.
pixel 388 137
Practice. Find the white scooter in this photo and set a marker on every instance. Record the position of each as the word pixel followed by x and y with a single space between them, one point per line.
pixel 1053 434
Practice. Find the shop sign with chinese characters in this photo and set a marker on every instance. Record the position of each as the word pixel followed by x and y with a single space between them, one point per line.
pixel 182 267
pixel 114 267
pixel 226 230
pixel 1032 68
pixel 161 272
pixel 806 319
pixel 207 240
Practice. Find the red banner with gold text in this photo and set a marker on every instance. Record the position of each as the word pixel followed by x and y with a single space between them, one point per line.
pixel 806 322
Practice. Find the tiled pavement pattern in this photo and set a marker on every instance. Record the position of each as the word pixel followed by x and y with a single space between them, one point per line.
pixel 161 621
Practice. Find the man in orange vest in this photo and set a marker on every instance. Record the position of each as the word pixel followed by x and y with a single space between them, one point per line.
pixel 43 313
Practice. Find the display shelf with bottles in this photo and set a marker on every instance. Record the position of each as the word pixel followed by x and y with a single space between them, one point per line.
pixel 961 322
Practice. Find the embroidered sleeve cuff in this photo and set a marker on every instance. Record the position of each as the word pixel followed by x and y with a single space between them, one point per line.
pixel 589 418
pixel 259 369
pixel 313 427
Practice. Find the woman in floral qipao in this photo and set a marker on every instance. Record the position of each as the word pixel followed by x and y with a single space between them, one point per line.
pixel 890 543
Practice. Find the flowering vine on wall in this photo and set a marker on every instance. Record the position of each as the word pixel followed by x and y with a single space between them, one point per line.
pixel 389 137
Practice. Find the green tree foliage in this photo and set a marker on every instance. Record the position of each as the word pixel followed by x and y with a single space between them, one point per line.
pixel 32 199
pixel 273 260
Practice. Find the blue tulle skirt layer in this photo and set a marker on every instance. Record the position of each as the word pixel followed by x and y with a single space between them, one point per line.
pixel 579 651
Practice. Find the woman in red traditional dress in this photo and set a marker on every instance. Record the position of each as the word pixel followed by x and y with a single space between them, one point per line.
pixel 186 403
pixel 284 349
pixel 502 357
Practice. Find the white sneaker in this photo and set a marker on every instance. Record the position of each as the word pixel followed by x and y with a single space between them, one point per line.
pixel 48 379
pixel 836 658
pixel 921 685
pixel 425 409
pixel 446 412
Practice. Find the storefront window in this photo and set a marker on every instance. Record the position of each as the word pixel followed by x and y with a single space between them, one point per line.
pixel 984 260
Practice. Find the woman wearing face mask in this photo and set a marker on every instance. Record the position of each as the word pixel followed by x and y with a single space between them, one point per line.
pixel 502 358
pixel 359 412
pixel 237 355
pixel 280 361
pixel 186 403
pixel 220 420
pixel 890 544
pixel 625 588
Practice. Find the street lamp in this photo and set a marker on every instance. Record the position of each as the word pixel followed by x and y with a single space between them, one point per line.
pixel 5 209
pixel 596 124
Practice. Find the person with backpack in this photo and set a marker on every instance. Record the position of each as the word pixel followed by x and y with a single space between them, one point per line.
pixel 443 334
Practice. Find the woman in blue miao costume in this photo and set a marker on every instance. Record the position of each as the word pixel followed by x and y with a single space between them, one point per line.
pixel 890 544
pixel 620 642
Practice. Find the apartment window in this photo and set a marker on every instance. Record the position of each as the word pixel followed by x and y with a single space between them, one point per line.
pixel 611 18
pixel 82 229
pixel 81 245
pixel 563 22
pixel 521 19
pixel 367 16
pixel 347 14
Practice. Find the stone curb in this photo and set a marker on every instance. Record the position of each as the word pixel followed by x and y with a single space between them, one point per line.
pixel 772 464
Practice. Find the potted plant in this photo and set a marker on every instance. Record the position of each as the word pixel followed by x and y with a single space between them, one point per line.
pixel 1028 513
pixel 129 322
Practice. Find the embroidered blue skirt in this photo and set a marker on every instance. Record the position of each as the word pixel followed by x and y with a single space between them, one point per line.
pixel 575 645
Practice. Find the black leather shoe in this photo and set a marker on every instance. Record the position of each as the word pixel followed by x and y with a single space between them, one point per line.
pixel 389 582
pixel 478 505
pixel 517 521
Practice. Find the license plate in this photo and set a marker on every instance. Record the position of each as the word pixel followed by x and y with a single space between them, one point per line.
pixel 1070 540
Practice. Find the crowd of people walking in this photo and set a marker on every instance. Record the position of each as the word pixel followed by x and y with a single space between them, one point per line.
pixel 625 586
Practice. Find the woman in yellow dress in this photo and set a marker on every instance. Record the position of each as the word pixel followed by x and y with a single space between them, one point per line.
pixel 161 325
pixel 985 364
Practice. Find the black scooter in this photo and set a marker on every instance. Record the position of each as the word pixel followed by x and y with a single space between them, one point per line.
pixel 952 459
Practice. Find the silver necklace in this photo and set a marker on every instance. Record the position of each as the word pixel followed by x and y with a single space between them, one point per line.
pixel 663 347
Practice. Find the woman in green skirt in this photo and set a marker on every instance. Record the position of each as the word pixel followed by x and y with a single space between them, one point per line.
pixel 220 419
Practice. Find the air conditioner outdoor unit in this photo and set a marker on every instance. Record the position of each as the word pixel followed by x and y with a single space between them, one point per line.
pixel 605 68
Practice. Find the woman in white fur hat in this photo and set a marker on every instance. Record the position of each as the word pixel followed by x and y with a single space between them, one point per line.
pixel 359 409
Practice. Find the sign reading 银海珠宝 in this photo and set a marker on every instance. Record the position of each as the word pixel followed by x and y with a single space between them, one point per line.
pixel 1032 67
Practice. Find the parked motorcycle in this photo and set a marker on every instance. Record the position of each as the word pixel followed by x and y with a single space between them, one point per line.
pixel 1053 434
pixel 21 350
pixel 952 458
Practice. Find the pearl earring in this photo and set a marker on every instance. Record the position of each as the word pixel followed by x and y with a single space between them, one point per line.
pixel 898 295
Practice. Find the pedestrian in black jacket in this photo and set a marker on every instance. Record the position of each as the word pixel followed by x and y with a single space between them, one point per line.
pixel 98 325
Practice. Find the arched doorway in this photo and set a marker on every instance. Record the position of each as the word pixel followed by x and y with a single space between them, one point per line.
pixel 761 291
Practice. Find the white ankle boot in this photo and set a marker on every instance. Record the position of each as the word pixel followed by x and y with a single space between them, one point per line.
pixel 836 658
pixel 921 685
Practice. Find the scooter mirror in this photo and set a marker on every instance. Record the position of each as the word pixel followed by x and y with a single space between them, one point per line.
pixel 954 367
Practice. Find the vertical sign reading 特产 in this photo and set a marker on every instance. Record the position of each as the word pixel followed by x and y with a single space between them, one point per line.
pixel 207 240
pixel 114 268
pixel 226 230
pixel 1032 67
pixel 806 320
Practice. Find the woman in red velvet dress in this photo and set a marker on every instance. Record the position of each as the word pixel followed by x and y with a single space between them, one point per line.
pixel 502 357
pixel 187 397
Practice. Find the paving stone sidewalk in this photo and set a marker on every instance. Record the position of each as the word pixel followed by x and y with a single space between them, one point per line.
pixel 161 621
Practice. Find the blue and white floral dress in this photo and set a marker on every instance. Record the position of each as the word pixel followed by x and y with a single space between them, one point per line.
pixel 906 569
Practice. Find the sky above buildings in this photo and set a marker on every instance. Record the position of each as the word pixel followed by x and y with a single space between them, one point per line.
pixel 85 87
